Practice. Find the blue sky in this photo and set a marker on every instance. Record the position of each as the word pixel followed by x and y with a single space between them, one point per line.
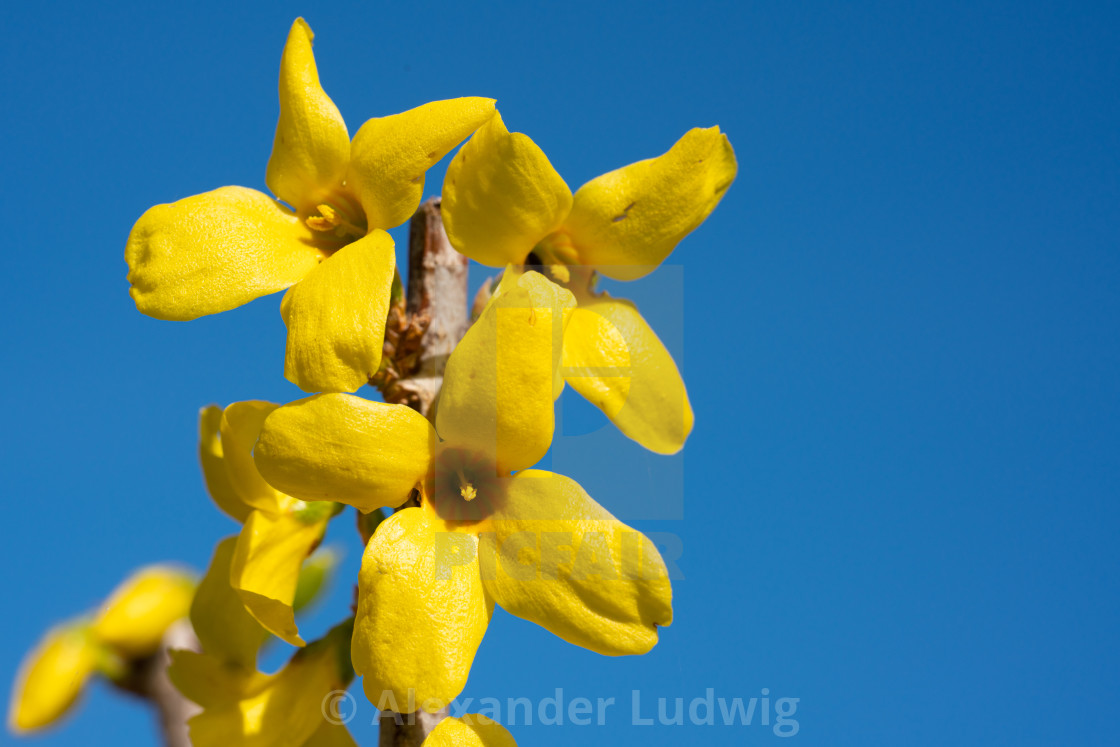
pixel 899 332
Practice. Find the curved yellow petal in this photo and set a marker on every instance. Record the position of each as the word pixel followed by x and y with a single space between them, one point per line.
pixel 331 734
pixel 336 317
pixel 469 730
pixel 510 278
pixel 240 428
pixel 390 155
pixel 312 147
pixel 51 678
pixel 283 709
pixel 498 388
pixel 224 627
pixel 138 612
pixel 266 565
pixel 421 613
pixel 211 681
pixel 338 447
pixel 501 196
pixel 554 556
pixel 214 252
pixel 615 360
pixel 212 457
pixel 626 222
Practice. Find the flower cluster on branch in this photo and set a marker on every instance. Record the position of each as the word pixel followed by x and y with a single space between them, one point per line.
pixel 471 522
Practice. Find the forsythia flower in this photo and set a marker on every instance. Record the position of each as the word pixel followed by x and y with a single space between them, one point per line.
pixel 469 731
pixel 137 614
pixel 489 530
pixel 246 707
pixel 279 532
pixel 129 625
pixel 504 202
pixel 218 250
pixel 225 629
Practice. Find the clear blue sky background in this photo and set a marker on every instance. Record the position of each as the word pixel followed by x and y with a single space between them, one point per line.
pixel 899 332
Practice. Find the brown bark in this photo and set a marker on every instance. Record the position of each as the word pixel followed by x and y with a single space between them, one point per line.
pixel 437 293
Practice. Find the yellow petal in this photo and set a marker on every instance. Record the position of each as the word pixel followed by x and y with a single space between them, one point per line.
pixel 626 222
pixel 285 708
pixel 337 447
pixel 331 735
pixel 240 428
pixel 470 730
pixel 421 613
pixel 266 564
pixel 390 155
pixel 510 278
pixel 336 317
pixel 212 456
pixel 210 681
pixel 214 252
pixel 138 613
pixel 51 678
pixel 224 627
pixel 615 360
pixel 501 196
pixel 312 148
pixel 554 556
pixel 497 393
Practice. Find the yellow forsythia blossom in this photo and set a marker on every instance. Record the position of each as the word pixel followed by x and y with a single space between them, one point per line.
pixel 245 707
pixel 130 624
pixel 488 529
pixel 470 730
pixel 503 201
pixel 216 251
pixel 137 614
pixel 279 532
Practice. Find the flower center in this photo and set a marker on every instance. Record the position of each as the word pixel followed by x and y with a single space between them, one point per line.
pixel 338 221
pixel 555 252
pixel 465 485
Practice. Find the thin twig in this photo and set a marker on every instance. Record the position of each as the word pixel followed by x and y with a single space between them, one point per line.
pixel 437 292
pixel 147 678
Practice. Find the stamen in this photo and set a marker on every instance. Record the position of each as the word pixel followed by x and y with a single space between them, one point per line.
pixel 329 220
pixel 556 249
pixel 466 489
pixel 560 273
pixel 326 221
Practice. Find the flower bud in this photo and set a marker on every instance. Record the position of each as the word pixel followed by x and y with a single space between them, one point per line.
pixel 136 615
pixel 52 677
